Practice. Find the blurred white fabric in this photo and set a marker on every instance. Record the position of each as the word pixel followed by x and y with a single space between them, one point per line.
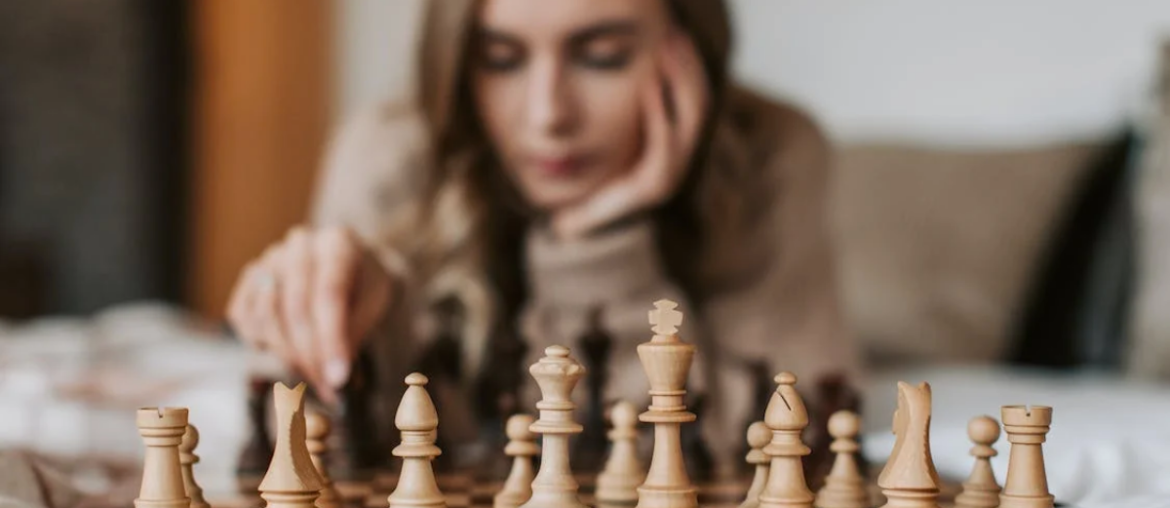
pixel 1110 439
pixel 69 387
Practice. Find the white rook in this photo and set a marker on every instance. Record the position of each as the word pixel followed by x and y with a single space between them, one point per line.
pixel 1027 482
pixel 162 475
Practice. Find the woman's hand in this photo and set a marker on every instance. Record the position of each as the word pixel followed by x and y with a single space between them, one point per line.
pixel 674 104
pixel 310 299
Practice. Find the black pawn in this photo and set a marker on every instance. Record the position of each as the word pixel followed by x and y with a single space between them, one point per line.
pixel 257 453
pixel 595 345
pixel 358 443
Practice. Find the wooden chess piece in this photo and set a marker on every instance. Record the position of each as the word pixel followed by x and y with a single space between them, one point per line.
pixel 909 479
pixel 418 421
pixel 1027 481
pixel 787 418
pixel 188 459
pixel 522 448
pixel 162 431
pixel 556 374
pixel 980 490
pixel 667 361
pixel 845 485
pixel 291 480
pixel 619 480
pixel 758 436
pixel 833 393
pixel 317 432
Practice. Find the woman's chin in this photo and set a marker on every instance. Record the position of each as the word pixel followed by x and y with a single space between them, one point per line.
pixel 549 199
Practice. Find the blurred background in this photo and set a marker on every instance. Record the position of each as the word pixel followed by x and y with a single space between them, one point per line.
pixel 1003 181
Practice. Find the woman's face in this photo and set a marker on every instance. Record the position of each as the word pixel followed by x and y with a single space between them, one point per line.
pixel 557 86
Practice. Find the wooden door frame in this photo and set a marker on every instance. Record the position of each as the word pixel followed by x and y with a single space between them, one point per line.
pixel 263 102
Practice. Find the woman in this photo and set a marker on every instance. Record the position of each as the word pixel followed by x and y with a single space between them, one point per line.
pixel 564 157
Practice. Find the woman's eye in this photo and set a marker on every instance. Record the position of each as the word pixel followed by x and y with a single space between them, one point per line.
pixel 605 55
pixel 500 57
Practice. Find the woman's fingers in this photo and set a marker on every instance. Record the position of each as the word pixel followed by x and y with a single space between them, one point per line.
pixel 655 163
pixel 337 254
pixel 653 177
pixel 607 204
pixel 266 310
pixel 296 272
pixel 240 305
pixel 374 289
pixel 310 299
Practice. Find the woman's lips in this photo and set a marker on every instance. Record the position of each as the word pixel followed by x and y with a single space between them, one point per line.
pixel 559 167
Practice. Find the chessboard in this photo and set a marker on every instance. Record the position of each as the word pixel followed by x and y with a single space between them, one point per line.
pixel 470 490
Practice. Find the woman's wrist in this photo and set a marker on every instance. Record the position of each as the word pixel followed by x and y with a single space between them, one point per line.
pixel 620 258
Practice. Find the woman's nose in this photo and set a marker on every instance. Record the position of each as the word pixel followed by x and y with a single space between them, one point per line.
pixel 550 103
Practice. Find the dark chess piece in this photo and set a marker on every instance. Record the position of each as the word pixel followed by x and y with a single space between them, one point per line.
pixel 442 363
pixel 498 399
pixel 257 454
pixel 358 443
pixel 834 394
pixel 700 463
pixel 595 346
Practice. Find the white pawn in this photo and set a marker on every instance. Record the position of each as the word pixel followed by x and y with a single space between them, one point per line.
pixel 521 447
pixel 162 477
pixel 844 486
pixel 317 431
pixel 418 421
pixel 623 473
pixel 188 459
pixel 980 489
pixel 758 436
pixel 787 417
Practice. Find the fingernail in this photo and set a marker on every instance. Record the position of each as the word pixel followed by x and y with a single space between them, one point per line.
pixel 336 372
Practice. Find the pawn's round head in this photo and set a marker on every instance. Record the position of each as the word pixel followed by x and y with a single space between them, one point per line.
pixel 844 424
pixel 785 378
pixel 758 435
pixel 623 415
pixel 316 425
pixel 190 439
pixel 517 428
pixel 983 430
pixel 556 351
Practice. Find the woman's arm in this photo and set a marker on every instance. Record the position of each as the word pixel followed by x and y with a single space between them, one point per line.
pixel 370 178
pixel 314 297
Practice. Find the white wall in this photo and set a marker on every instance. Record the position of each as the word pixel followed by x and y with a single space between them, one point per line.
pixel 999 71
pixel 375 42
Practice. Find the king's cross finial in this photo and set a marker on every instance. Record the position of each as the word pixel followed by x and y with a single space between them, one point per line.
pixel 665 318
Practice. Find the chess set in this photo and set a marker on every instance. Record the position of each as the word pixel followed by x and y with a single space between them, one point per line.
pixel 540 475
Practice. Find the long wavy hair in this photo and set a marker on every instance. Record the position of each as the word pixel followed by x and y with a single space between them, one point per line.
pixel 466 238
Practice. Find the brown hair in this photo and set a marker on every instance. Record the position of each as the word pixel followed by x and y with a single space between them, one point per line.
pixel 471 232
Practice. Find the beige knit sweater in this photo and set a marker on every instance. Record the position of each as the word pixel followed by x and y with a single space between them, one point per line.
pixel 787 316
